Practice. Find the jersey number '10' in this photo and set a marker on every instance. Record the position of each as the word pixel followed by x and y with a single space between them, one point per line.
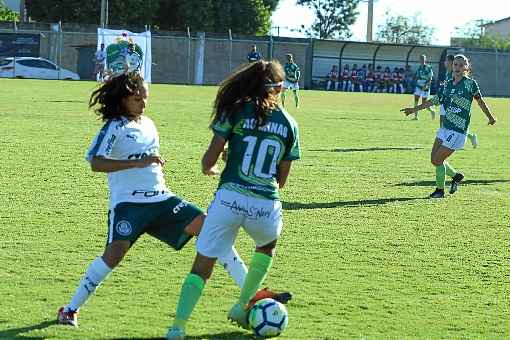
pixel 268 147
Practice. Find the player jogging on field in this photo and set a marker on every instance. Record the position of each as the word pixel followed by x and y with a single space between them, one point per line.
pixel 127 149
pixel 448 63
pixel 457 96
pixel 292 75
pixel 262 142
pixel 423 78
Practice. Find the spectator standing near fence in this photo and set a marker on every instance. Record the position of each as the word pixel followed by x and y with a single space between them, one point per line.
pixel 332 78
pixel 100 63
pixel 457 95
pixel 292 75
pixel 423 77
pixel 254 55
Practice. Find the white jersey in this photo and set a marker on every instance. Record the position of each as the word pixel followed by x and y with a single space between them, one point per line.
pixel 101 56
pixel 124 139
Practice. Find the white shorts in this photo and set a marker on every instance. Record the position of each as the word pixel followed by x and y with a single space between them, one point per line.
pixel 451 139
pixel 260 218
pixel 420 93
pixel 290 85
pixel 442 111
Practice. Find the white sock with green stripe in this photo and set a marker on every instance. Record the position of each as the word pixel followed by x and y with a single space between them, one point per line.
pixel 95 274
pixel 235 266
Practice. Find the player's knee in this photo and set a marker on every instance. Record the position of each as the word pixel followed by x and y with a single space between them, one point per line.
pixel 203 266
pixel 268 249
pixel 115 252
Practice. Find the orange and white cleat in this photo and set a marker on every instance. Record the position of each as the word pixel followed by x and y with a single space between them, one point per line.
pixel 265 293
pixel 67 318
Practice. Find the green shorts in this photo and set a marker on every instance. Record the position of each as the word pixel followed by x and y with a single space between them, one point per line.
pixel 163 220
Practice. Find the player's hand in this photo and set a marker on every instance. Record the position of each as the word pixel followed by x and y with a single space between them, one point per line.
pixel 408 110
pixel 151 159
pixel 214 171
pixel 492 121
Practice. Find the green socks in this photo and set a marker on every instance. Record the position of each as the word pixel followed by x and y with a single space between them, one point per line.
pixel 440 176
pixel 296 98
pixel 259 267
pixel 449 170
pixel 191 291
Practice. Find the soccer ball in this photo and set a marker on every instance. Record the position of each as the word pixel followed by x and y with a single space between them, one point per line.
pixel 268 318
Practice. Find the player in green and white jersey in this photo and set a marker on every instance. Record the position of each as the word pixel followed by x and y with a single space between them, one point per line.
pixel 292 75
pixel 448 64
pixel 127 150
pixel 457 96
pixel 423 78
pixel 263 140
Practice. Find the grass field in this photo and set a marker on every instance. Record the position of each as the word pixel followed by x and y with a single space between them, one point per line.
pixel 366 255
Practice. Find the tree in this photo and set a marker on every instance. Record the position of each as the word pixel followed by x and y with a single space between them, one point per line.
pixel 6 14
pixel 473 34
pixel 332 18
pixel 242 16
pixel 403 30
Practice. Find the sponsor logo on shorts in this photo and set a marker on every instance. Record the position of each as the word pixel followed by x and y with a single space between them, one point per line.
pixel 250 212
pixel 124 228
pixel 179 206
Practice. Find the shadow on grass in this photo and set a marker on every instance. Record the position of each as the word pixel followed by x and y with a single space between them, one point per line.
pixel 465 182
pixel 359 203
pixel 375 148
pixel 218 336
pixel 62 101
pixel 16 333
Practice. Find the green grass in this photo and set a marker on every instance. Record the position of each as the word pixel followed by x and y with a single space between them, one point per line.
pixel 365 254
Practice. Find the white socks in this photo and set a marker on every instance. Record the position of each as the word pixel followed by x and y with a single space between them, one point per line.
pixel 235 266
pixel 96 273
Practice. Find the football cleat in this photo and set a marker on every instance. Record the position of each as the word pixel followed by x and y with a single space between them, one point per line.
pixel 175 333
pixel 239 315
pixel 455 182
pixel 67 318
pixel 265 293
pixel 438 193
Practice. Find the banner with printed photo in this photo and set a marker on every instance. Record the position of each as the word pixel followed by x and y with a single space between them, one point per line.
pixel 119 58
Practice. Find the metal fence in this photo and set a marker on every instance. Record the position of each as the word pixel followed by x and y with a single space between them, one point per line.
pixel 205 58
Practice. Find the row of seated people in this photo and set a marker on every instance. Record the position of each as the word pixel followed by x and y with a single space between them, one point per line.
pixel 366 79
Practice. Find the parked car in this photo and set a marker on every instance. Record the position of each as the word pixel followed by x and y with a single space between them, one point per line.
pixel 30 67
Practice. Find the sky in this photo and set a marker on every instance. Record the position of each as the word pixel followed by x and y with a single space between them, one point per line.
pixel 443 15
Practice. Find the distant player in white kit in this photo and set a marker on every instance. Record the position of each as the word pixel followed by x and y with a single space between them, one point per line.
pixel 127 149
pixel 100 63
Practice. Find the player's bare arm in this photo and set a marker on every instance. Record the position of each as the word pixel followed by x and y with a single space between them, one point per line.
pixel 216 147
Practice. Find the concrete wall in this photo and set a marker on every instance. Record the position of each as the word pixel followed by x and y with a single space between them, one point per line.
pixel 175 56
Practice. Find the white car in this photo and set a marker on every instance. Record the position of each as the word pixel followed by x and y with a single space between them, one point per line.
pixel 30 67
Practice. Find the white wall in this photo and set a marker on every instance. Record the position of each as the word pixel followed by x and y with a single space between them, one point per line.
pixel 501 28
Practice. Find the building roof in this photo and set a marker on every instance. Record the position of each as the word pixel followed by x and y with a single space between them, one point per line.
pixel 496 22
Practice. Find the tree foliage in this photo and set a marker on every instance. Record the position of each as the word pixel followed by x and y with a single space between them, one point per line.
pixel 332 18
pixel 242 16
pixel 6 14
pixel 472 34
pixel 404 30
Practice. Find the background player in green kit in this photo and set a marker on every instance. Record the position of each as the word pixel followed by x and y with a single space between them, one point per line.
pixel 448 64
pixel 127 150
pixel 292 75
pixel 262 142
pixel 457 96
pixel 423 78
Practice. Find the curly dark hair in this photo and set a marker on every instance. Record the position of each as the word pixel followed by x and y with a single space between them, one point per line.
pixel 107 99
pixel 251 83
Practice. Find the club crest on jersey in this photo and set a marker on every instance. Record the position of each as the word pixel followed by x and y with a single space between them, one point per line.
pixel 124 228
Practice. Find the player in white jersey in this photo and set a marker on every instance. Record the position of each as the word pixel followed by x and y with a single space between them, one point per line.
pixel 133 61
pixel 100 60
pixel 127 149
